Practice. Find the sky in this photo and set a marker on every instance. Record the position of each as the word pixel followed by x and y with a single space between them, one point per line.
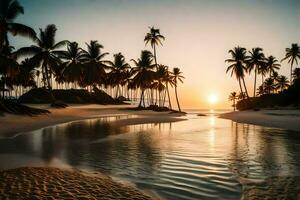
pixel 198 34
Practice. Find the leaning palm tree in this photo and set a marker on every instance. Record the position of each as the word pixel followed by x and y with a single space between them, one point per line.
pixel 155 38
pixel 272 65
pixel 177 76
pixel 238 65
pixel 232 97
pixel 282 83
pixel 143 73
pixel 292 54
pixel 72 67
pixel 255 61
pixel 45 52
pixel 9 11
pixel 94 65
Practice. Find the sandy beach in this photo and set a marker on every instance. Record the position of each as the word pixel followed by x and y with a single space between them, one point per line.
pixel 52 183
pixel 285 119
pixel 13 124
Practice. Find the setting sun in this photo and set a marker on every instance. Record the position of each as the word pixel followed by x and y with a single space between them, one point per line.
pixel 212 98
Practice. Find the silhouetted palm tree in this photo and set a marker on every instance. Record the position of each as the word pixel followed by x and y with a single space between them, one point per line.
pixel 155 38
pixel 233 97
pixel 9 11
pixel 255 61
pixel 282 83
pixel 118 71
pixel 272 65
pixel 177 75
pixel 292 54
pixel 94 66
pixel 143 73
pixel 72 68
pixel 269 85
pixel 45 52
pixel 238 65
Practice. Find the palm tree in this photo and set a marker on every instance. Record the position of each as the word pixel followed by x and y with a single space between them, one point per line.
pixel 9 67
pixel 282 83
pixel 238 65
pixel 143 72
pixel 72 68
pixel 45 52
pixel 118 70
pixel 168 81
pixel 269 85
pixel 272 64
pixel 296 74
pixel 292 54
pixel 177 76
pixel 94 66
pixel 155 38
pixel 254 62
pixel 233 97
pixel 9 11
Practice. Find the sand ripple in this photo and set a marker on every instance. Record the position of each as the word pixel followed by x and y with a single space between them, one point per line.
pixel 52 183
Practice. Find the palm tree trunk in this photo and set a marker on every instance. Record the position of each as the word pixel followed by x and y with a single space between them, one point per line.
pixel 141 99
pixel 155 59
pixel 233 104
pixel 254 89
pixel 291 73
pixel 241 86
pixel 177 98
pixel 245 87
pixel 170 105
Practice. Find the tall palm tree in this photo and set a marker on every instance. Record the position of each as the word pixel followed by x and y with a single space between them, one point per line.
pixel 177 75
pixel 272 65
pixel 143 72
pixel 238 65
pixel 155 38
pixel 232 97
pixel 292 54
pixel 45 52
pixel 282 83
pixel 72 67
pixel 94 66
pixel 9 11
pixel 254 62
pixel 118 70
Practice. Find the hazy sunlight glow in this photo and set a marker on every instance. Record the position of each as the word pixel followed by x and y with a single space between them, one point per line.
pixel 212 98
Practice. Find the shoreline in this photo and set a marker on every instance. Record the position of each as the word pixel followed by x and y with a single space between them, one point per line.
pixel 283 119
pixel 11 125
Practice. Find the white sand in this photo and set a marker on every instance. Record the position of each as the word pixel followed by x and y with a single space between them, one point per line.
pixel 12 124
pixel 285 119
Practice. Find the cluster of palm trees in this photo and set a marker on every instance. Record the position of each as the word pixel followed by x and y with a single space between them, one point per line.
pixel 255 61
pixel 71 66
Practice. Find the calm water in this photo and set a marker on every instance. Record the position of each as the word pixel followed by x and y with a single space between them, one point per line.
pixel 200 158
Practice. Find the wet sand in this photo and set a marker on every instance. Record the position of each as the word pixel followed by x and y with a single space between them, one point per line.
pixel 284 119
pixel 13 124
pixel 31 183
